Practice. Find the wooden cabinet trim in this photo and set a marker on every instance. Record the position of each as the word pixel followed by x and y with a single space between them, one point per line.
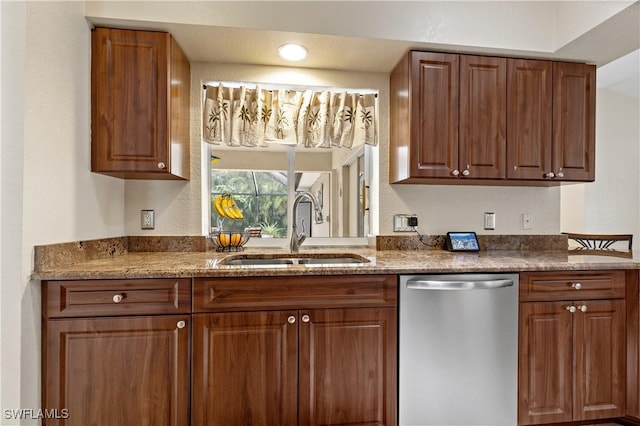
pixel 264 293
pixel 93 298
pixel 633 343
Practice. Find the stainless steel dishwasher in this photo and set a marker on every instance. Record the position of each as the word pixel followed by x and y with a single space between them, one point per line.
pixel 458 350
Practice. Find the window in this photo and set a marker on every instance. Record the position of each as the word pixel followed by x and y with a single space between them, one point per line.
pixel 261 196
pixel 264 167
pixel 337 178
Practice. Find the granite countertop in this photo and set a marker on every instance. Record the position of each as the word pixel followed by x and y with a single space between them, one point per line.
pixel 163 264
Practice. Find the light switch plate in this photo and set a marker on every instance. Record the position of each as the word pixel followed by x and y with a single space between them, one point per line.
pixel 490 221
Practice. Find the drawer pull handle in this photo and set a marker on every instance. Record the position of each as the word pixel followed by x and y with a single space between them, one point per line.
pixel 571 309
pixel 577 286
pixel 181 324
pixel 305 318
pixel 118 298
pixel 582 308
pixel 161 165
pixel 291 319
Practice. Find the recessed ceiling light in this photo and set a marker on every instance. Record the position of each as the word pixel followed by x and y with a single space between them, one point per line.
pixel 292 52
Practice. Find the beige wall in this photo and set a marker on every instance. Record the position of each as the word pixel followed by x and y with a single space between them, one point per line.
pixel 48 193
pixel 179 206
pixel 611 204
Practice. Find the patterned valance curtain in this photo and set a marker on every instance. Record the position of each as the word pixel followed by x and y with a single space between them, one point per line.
pixel 250 117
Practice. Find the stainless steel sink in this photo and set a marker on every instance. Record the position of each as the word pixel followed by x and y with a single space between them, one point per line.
pixel 330 260
pixel 256 261
pixel 270 260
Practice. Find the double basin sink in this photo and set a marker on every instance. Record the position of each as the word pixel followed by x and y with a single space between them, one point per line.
pixel 271 260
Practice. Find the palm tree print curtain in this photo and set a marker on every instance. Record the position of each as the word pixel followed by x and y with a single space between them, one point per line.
pixel 241 116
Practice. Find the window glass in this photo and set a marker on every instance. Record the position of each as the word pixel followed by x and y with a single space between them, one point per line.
pixel 261 196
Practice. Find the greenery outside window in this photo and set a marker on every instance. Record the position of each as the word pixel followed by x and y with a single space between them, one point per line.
pixel 262 197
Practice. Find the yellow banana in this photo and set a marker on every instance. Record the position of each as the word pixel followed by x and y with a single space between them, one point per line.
pixel 234 208
pixel 217 205
pixel 226 206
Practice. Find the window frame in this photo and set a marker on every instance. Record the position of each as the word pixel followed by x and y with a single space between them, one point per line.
pixel 370 154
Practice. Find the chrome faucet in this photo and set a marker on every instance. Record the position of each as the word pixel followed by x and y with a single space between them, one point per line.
pixel 298 239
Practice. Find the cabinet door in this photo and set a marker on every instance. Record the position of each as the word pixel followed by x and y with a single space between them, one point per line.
pixel 245 369
pixel 348 367
pixel 129 100
pixel 117 371
pixel 434 114
pixel 483 97
pixel 599 359
pixel 139 105
pixel 574 104
pixel 544 363
pixel 528 118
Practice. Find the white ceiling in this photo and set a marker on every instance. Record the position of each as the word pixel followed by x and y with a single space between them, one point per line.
pixel 257 42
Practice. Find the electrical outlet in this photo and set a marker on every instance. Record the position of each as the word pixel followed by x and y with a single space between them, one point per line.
pixel 527 221
pixel 147 219
pixel 490 220
pixel 405 222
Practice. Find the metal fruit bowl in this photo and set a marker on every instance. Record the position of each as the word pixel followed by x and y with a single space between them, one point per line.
pixel 229 240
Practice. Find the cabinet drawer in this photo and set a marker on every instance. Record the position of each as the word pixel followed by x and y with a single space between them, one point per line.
pixel 116 297
pixel 574 285
pixel 265 293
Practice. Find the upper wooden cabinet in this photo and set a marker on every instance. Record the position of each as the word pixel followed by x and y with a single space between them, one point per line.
pixel 424 116
pixel 529 101
pixel 140 88
pixel 489 120
pixel 574 117
pixel 482 126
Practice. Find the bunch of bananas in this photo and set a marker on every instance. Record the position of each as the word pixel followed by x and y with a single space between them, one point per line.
pixel 226 206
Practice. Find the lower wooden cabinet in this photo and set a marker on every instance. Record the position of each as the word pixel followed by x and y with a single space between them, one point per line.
pixel 633 344
pixel 116 352
pixel 124 371
pixel 295 367
pixel 571 361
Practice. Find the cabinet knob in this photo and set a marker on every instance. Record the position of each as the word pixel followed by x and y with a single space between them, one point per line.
pixel 550 175
pixel 455 172
pixel 118 298
pixel 466 172
pixel 577 286
pixel 291 319
pixel 571 309
pixel 582 308
pixel 161 165
pixel 560 175
pixel 305 318
pixel 181 324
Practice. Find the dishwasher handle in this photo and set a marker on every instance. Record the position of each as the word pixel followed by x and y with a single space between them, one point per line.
pixel 431 284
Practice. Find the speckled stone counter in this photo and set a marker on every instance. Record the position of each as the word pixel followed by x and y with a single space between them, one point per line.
pixel 207 263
